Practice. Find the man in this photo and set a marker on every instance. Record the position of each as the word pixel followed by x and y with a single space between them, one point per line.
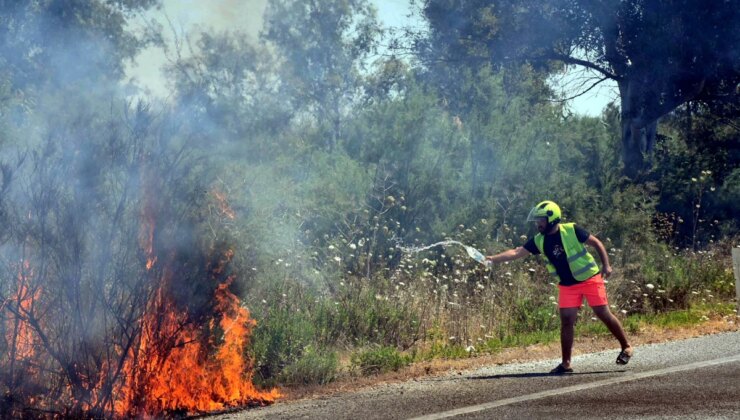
pixel 567 260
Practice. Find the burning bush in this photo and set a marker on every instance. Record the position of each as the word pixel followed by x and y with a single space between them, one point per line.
pixel 121 301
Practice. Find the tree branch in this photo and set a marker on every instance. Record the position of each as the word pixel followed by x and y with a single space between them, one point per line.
pixel 674 102
pixel 572 60
pixel 596 83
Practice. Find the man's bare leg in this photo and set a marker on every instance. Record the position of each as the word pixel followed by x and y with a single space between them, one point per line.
pixel 614 326
pixel 568 318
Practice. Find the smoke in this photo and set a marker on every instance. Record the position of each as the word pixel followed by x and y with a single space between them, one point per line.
pixel 181 19
pixel 110 205
pixel 94 186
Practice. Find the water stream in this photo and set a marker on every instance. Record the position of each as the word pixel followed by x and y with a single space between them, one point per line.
pixel 414 250
pixel 472 252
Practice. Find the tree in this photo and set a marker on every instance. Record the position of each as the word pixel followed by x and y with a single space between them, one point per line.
pixel 67 40
pixel 231 86
pixel 323 45
pixel 661 54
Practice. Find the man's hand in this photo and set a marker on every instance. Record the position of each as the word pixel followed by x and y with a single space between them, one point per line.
pixel 596 243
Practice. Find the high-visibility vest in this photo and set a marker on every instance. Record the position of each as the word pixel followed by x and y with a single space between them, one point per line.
pixel 581 263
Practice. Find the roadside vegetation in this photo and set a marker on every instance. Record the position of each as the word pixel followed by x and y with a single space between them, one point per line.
pixel 423 314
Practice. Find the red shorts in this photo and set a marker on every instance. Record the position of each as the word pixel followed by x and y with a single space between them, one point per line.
pixel 593 289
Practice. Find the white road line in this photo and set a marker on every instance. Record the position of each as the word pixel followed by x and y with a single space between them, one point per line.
pixel 550 393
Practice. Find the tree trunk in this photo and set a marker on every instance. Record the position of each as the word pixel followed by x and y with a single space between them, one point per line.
pixel 638 129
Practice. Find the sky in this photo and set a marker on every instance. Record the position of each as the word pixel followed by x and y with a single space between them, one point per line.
pixel 188 16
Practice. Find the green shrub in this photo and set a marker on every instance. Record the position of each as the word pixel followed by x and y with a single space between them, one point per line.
pixel 358 313
pixel 532 315
pixel 521 339
pixel 383 359
pixel 670 279
pixel 313 367
pixel 279 340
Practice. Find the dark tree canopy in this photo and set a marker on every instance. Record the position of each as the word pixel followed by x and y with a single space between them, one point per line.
pixel 661 54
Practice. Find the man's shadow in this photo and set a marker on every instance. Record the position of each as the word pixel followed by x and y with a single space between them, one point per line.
pixel 543 374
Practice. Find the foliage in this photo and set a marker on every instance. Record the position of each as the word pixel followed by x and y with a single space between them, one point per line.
pixel 661 54
pixel 312 368
pixel 67 42
pixel 696 163
pixel 323 45
pixel 670 278
pixel 380 360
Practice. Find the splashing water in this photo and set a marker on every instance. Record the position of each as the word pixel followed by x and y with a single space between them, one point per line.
pixel 414 250
pixel 472 252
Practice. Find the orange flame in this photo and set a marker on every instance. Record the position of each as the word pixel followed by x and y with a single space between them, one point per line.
pixel 188 378
pixel 177 366
pixel 224 208
pixel 24 299
pixel 21 361
pixel 172 369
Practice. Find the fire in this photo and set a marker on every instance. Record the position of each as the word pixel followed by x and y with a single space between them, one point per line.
pixel 24 299
pixel 179 366
pixel 179 363
pixel 20 363
pixel 175 371
pixel 222 204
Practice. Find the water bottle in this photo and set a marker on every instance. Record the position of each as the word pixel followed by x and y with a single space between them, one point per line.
pixel 476 255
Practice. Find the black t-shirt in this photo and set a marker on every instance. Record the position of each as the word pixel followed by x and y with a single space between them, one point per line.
pixel 555 252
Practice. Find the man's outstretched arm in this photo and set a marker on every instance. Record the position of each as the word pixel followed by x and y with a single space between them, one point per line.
pixel 512 254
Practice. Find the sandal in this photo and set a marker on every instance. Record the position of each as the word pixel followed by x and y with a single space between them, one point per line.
pixel 623 358
pixel 561 370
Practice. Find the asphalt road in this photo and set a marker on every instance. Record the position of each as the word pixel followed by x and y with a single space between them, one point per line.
pixel 695 378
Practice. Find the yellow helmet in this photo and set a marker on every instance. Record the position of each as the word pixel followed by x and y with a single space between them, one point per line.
pixel 546 209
